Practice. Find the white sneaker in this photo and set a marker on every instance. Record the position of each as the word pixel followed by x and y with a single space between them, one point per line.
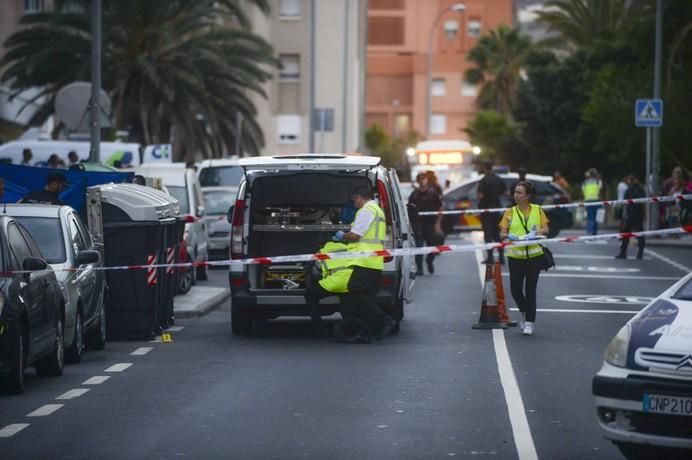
pixel 523 321
pixel 528 328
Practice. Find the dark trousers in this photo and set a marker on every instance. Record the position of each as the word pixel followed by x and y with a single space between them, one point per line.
pixel 348 310
pixel 313 295
pixel 362 288
pixel 641 241
pixel 523 281
pixel 429 237
pixel 491 231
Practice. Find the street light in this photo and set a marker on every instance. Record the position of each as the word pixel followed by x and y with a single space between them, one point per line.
pixel 476 150
pixel 457 7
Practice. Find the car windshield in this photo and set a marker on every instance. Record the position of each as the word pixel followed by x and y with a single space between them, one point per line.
pixel 217 201
pixel 685 292
pixel 180 194
pixel 47 233
pixel 221 176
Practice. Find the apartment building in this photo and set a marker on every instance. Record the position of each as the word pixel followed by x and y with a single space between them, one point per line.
pixel 400 33
pixel 316 100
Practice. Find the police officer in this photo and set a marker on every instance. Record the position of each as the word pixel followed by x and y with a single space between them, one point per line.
pixel 591 191
pixel 55 184
pixel 366 235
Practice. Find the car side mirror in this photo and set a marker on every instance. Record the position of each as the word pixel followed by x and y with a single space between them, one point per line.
pixel 229 214
pixel 88 256
pixel 32 264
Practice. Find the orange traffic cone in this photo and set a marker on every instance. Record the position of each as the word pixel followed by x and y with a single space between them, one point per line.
pixel 490 312
pixel 502 307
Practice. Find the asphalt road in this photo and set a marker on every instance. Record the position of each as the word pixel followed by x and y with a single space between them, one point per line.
pixel 437 390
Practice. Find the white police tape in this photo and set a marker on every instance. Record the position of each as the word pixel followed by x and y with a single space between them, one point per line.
pixel 579 204
pixel 686 230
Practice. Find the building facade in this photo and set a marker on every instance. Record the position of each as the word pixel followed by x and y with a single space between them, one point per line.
pixel 400 33
pixel 316 100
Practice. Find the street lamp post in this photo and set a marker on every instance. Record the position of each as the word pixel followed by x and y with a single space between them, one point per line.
pixel 458 7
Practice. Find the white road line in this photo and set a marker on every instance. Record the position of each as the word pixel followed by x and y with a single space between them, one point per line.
pixel 606 276
pixel 515 406
pixel 118 367
pixel 45 410
pixel 669 261
pixel 10 430
pixel 97 380
pixel 568 310
pixel 175 328
pixel 586 256
pixel 71 394
pixel 141 351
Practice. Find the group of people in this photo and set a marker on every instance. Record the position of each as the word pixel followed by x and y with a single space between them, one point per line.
pixel 54 161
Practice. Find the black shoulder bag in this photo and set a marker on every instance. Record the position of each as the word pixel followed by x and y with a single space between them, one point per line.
pixel 547 257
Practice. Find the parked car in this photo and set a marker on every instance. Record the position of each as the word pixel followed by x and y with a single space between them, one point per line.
pixel 67 246
pixel 217 202
pixel 292 205
pixel 643 391
pixel 465 196
pixel 32 309
pixel 182 184
pixel 220 172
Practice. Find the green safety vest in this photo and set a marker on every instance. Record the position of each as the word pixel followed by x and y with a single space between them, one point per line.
pixel 517 228
pixel 336 273
pixel 373 240
pixel 590 190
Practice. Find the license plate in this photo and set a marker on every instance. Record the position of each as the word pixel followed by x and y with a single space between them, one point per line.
pixel 665 404
pixel 279 276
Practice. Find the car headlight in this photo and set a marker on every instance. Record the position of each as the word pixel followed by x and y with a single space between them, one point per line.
pixel 616 353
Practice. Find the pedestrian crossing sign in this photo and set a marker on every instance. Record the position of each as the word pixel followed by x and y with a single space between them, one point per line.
pixel 648 113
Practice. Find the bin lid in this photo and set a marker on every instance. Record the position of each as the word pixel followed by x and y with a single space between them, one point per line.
pixel 139 202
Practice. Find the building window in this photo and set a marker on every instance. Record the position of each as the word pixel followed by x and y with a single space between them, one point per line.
pixel 439 87
pixel 386 4
pixel 289 9
pixel 468 89
pixel 438 124
pixel 33 6
pixel 474 27
pixel 290 67
pixel 451 29
pixel 386 31
pixel 288 129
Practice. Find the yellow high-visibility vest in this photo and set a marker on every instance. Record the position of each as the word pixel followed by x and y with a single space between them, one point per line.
pixel 372 240
pixel 517 228
pixel 336 273
pixel 591 190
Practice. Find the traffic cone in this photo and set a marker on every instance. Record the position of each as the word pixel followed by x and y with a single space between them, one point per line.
pixel 504 317
pixel 490 312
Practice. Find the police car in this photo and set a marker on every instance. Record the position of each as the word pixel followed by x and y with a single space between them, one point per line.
pixel 643 392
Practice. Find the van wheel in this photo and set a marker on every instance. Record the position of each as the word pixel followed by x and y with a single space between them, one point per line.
pixel 241 322
pixel 74 352
pixel 53 364
pixel 14 381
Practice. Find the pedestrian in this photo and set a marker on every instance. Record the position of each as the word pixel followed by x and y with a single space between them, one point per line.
pixel 54 161
pixel 633 217
pixel 55 184
pixel 139 180
pixel 27 156
pixel 490 189
pixel 560 180
pixel 621 190
pixel 429 230
pixel 525 262
pixel 73 158
pixel 367 235
pixel 433 182
pixel 591 191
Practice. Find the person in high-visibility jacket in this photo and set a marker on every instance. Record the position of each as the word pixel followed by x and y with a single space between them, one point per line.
pixel 524 221
pixel 591 191
pixel 334 277
pixel 367 234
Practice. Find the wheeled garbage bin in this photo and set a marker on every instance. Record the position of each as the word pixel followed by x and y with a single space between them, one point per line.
pixel 134 218
pixel 172 235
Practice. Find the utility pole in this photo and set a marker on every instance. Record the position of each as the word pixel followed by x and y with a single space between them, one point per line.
pixel 95 109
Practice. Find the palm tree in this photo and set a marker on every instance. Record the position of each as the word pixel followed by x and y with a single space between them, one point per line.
pixel 588 23
pixel 180 69
pixel 498 59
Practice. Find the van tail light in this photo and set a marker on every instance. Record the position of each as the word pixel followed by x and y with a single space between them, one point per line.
pixel 237 223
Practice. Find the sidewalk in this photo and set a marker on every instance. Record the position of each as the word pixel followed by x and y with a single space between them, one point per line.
pixel 199 301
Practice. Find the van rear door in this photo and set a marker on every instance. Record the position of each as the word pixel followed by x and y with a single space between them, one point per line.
pixel 405 238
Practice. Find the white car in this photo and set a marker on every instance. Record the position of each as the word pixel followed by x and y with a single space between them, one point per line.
pixel 643 392
pixel 217 202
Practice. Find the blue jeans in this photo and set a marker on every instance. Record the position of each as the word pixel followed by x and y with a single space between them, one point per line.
pixel 591 224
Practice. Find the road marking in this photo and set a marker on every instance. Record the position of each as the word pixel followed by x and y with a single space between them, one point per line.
pixel 118 367
pixel 175 328
pixel 10 430
pixel 515 405
pixel 581 268
pixel 607 299
pixel 141 351
pixel 606 277
pixel 76 393
pixel 569 310
pixel 586 256
pixel 99 379
pixel 669 261
pixel 45 410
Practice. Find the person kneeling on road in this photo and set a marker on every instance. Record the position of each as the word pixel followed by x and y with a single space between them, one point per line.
pixel 525 262
pixel 367 235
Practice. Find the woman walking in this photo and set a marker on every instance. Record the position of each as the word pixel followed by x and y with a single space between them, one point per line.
pixel 524 221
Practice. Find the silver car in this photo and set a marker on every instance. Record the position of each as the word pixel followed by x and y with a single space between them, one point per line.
pixel 217 202
pixel 67 245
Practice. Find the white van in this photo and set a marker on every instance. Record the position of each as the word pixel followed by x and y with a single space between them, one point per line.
pixel 117 154
pixel 220 172
pixel 182 183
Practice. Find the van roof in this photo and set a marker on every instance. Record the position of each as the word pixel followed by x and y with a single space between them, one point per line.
pixel 171 174
pixel 218 162
pixel 310 161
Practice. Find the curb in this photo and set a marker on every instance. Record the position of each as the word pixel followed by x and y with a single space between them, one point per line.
pixel 203 307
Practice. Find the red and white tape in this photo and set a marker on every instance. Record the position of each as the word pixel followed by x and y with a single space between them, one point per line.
pixel 151 269
pixel 579 204
pixel 170 260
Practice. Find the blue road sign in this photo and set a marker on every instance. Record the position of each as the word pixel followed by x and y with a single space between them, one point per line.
pixel 648 113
